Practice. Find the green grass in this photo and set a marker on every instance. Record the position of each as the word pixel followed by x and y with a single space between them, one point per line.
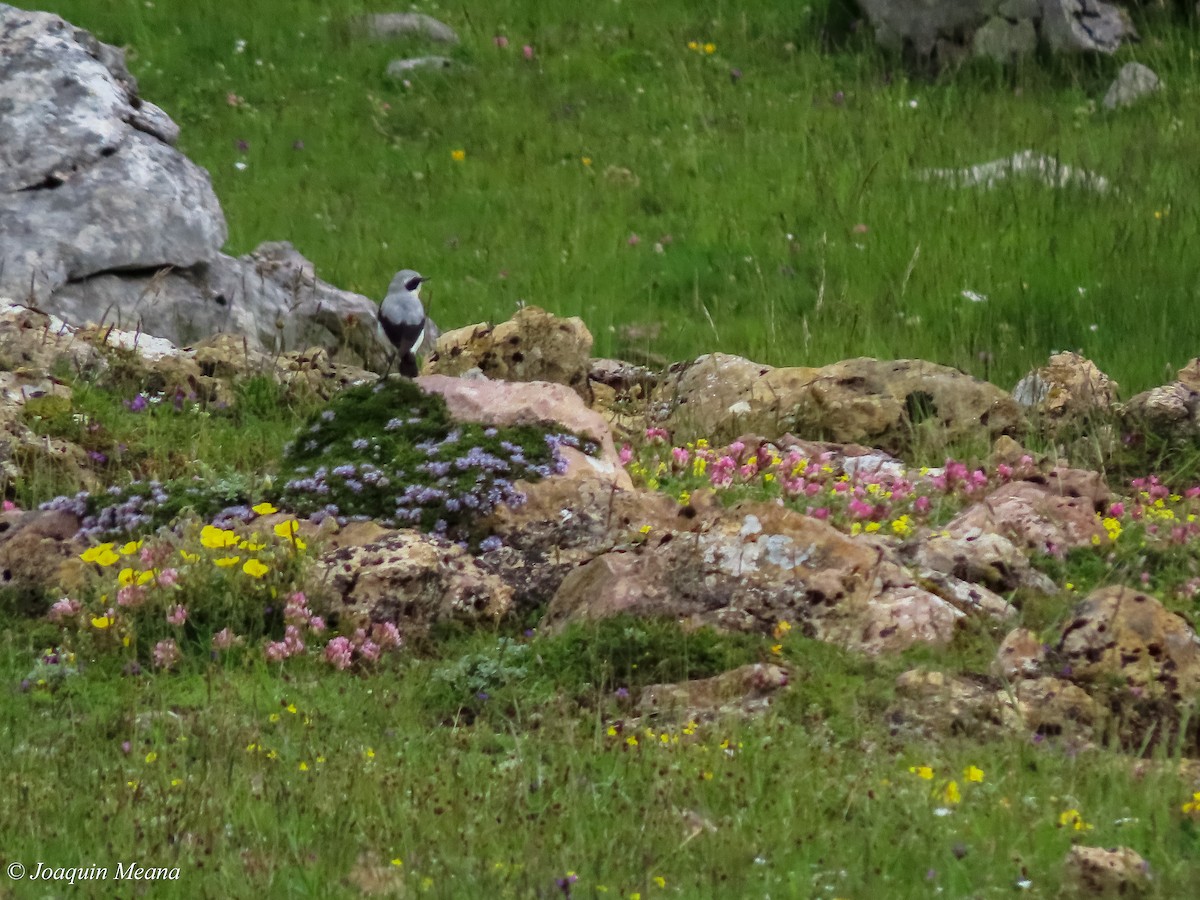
pixel 310 785
pixel 727 170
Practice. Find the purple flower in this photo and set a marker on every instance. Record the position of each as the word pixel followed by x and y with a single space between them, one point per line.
pixel 490 543
pixel 137 404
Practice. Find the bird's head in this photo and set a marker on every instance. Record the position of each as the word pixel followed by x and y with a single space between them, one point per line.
pixel 407 279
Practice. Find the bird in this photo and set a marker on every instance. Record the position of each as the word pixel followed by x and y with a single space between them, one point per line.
pixel 403 320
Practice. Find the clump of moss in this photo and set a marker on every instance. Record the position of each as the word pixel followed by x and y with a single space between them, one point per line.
pixel 390 452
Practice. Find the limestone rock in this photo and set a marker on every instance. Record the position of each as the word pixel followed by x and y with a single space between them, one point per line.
pixel 515 403
pixel 1133 82
pixel 33 545
pixel 1025 164
pixel 386 26
pixel 1020 655
pixel 756 564
pixel 1004 39
pixel 744 691
pixel 1069 386
pixel 533 345
pixel 871 401
pixel 1033 517
pixel 270 298
pixel 1085 25
pixel 402 68
pixel 1096 872
pixel 1119 635
pixel 1172 409
pixel 413 580
pixel 89 181
pixel 36 343
pixel 981 557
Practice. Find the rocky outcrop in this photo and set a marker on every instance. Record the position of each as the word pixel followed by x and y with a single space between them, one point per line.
pixel 103 221
pixel 90 182
pixel 752 566
pixel 880 402
pixel 948 30
pixel 744 691
pixel 413 580
pixel 1068 387
pixel 533 345
pixel 1097 873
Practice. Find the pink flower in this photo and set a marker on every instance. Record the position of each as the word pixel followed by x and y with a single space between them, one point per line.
pixel 296 613
pixel 168 577
pixel 657 435
pixel 316 624
pixel 338 652
pixel 292 640
pixel 625 455
pixel 633 240
pixel 369 650
pixel 821 512
pixel 500 41
pixel 528 51
pixel 276 651
pixel 166 654
pixel 9 506
pixel 131 595
pixel 65 608
pixel 224 639
pixel 1117 510
pixel 680 456
pixel 386 634
pixel 360 635
pixel 177 616
pixel 1004 471
pixel 921 505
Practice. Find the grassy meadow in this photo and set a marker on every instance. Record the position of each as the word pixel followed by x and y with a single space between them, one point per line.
pixel 773 166
pixel 755 194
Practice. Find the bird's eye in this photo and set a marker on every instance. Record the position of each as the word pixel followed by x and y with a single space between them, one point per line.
pixel 412 284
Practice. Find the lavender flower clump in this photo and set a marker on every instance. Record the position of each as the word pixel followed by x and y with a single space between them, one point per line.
pixel 390 452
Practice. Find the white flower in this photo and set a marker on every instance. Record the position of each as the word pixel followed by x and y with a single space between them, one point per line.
pixel 974 296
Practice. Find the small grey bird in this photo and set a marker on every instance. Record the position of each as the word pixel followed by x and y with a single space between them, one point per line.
pixel 402 318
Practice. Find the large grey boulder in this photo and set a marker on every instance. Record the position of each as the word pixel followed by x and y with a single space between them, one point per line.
pixel 271 298
pixel 89 181
pixel 998 29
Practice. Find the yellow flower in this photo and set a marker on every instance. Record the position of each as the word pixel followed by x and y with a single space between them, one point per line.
pixel 952 793
pixel 611 731
pixel 176 782
pixel 632 740
pixel 699 464
pixel 782 627
pixel 1113 527
pixel 458 155
pixel 102 555
pixel 871 527
pixel 226 562
pixel 777 649
pixel 1193 805
pixel 587 160
pixel 685 497
pixel 251 546
pixel 645 529
pixel 1072 818
pixel 255 569
pixel 101 622
pixel 303 767
pixel 151 757
pixel 710 48
pixel 272 754
pixel 131 548
pixel 397 861
pixel 264 509
pixel 369 753
pixel 189 557
pixel 660 881
pixel 273 717
pixel 922 772
pixel 125 577
pixel 693 45
pixel 291 707
pixel 215 538
pixel 902 526
pixel 973 773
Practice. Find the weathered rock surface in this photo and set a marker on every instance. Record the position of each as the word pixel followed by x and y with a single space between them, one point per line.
pixel 1132 83
pixel 33 545
pixel 744 691
pixel 1023 164
pixel 413 580
pixel 754 565
pixel 1121 636
pixel 270 298
pixel 980 557
pixel 386 26
pixel 88 183
pixel 879 402
pixel 1170 409
pixel 1069 386
pixel 402 68
pixel 533 345
pixel 1040 517
pixel 1097 872
pixel 998 29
